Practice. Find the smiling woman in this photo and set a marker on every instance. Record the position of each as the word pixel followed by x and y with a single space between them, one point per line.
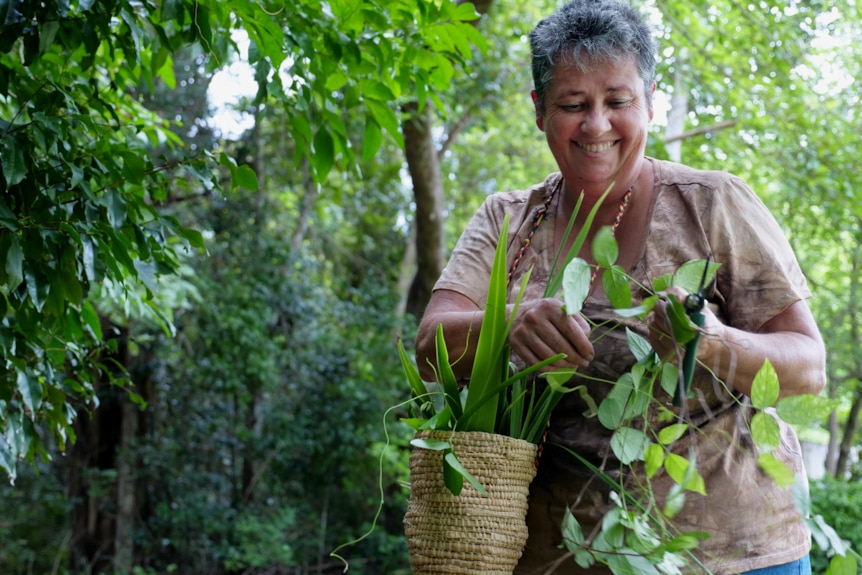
pixel 594 79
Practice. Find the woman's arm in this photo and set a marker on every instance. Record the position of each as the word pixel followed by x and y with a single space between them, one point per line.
pixel 790 340
pixel 540 330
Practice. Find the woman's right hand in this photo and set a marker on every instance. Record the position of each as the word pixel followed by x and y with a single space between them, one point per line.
pixel 542 329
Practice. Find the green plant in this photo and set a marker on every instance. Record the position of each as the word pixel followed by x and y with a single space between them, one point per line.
pixel 500 398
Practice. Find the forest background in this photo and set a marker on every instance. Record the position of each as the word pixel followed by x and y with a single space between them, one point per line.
pixel 198 326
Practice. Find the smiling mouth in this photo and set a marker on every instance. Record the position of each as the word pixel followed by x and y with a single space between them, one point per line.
pixel 597 147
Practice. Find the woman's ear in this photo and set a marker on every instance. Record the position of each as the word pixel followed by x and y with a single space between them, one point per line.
pixel 540 120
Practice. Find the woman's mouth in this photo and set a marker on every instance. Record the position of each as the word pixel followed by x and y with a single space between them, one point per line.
pixel 599 147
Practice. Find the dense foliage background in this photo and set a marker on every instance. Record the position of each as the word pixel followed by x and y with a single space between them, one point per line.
pixel 198 327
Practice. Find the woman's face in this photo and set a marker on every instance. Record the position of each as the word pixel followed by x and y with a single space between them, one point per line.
pixel 595 122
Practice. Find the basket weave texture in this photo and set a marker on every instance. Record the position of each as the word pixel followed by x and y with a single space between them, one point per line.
pixel 469 534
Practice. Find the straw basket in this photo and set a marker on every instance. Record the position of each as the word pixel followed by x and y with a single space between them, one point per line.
pixel 469 534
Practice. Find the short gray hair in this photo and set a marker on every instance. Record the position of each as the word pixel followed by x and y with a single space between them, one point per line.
pixel 584 31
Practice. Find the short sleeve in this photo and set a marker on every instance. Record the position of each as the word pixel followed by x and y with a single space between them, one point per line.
pixel 469 267
pixel 760 276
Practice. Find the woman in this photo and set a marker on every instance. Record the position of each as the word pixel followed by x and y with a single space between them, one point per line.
pixel 593 70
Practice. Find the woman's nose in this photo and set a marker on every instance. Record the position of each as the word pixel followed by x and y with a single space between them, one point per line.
pixel 596 121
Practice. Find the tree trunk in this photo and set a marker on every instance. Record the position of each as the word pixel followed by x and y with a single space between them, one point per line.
pixel 127 506
pixel 855 376
pixel 92 462
pixel 424 168
pixel 847 441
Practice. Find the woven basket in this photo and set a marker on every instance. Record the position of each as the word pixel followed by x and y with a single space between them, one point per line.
pixel 469 534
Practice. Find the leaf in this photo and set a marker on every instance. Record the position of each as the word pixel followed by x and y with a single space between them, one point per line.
pixel 452 477
pixel 133 167
pixel 690 274
pixel 573 535
pixel 765 431
pixel 556 279
pixel 617 289
pixel 91 319
pixel 826 537
pixel 451 393
pixel 171 10
pixel 629 444
pixel 688 540
pixel 613 405
pixel 671 433
pixel 765 388
pixel 661 283
pixel 683 329
pixel 30 391
pixel 323 156
pixel 372 139
pixel 804 409
pixel 674 501
pixel 488 361
pixel 12 160
pixel 432 444
pixel 386 119
pixel 612 529
pixel 653 458
pixel 166 73
pixel 604 248
pixel 417 386
pixel 842 565
pixel 455 465
pixel 116 206
pixel 684 473
pixel 576 285
pixel 376 90
pixel 638 345
pixel 779 471
pixel 669 378
pixel 245 177
pixel 8 459
pixel 14 264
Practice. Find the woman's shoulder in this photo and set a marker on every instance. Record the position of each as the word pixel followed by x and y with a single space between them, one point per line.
pixel 520 204
pixel 676 175
pixel 527 197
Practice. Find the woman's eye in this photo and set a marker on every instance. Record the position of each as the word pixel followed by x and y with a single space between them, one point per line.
pixel 620 103
pixel 573 107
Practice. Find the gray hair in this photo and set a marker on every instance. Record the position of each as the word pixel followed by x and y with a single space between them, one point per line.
pixel 584 31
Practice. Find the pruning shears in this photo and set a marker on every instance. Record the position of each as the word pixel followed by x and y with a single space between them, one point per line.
pixel 693 305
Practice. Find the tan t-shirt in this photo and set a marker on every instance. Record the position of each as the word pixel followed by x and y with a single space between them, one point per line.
pixel 752 522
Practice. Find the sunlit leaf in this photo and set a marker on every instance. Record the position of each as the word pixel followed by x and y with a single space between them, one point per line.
pixel 765 388
pixel 779 471
pixel 654 458
pixel 671 433
pixel 690 274
pixel 804 409
pixel 765 431
pixel 684 473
